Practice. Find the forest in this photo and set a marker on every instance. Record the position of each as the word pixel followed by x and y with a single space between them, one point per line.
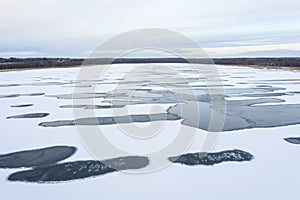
pixel 22 63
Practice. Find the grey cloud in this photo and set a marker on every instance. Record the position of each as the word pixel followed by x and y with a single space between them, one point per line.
pixel 68 28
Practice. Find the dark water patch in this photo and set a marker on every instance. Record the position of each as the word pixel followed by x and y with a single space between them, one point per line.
pixel 122 103
pixel 78 96
pixel 78 86
pixel 167 97
pixel 282 80
pixel 277 82
pixel 143 89
pixel 9 85
pixel 147 96
pixel 254 90
pixel 133 82
pixel 139 95
pixel 86 95
pixel 188 70
pixel 253 102
pixel 49 78
pixel 87 81
pixel 267 116
pixel 199 115
pixel 34 94
pixel 266 94
pixel 296 92
pixel 96 121
pixel 212 158
pixel 92 106
pixel 30 115
pixel 269 86
pixel 21 105
pixel 34 77
pixel 238 115
pixel 40 83
pixel 205 91
pixel 79 170
pixel 37 157
pixel 20 95
pixel 53 83
pixel 242 72
pixel 240 77
pixel 10 96
pixel 293 140
pixel 210 86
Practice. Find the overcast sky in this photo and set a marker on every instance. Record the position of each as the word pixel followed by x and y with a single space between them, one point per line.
pixel 71 28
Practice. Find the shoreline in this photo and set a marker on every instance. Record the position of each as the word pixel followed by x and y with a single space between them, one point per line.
pixel 264 67
pixel 76 66
pixel 38 68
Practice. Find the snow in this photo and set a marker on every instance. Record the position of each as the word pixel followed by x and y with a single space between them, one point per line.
pixel 272 174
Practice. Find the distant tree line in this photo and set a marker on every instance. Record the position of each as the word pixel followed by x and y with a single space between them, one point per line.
pixel 19 63
pixel 281 62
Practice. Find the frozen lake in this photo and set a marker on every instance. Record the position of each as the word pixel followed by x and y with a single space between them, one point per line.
pixel 255 156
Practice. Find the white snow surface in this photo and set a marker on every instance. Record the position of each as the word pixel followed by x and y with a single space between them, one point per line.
pixel 272 174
